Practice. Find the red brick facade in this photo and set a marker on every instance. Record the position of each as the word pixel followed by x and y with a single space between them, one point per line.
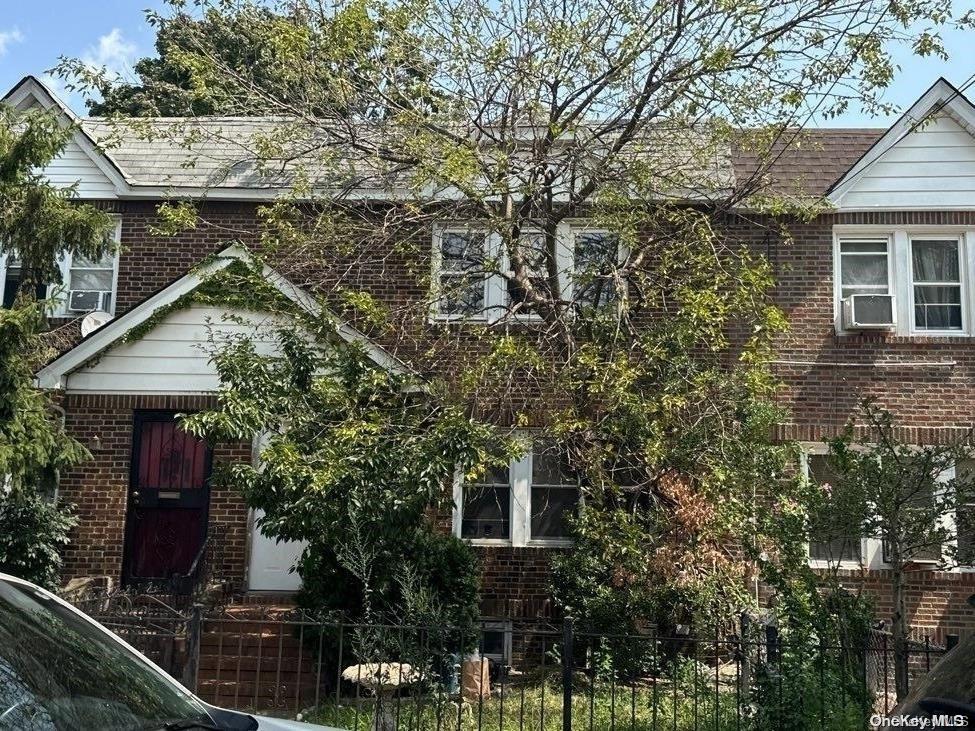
pixel 824 375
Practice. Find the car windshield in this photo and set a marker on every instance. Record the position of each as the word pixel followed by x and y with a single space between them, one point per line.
pixel 59 671
pixel 952 679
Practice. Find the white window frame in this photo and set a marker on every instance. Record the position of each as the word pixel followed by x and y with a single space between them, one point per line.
pixel 871 549
pixel 520 480
pixel 59 293
pixel 962 280
pixel 900 274
pixel 489 299
pixel 496 303
pixel 505 626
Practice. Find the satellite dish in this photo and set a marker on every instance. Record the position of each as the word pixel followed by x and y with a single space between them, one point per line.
pixel 94 320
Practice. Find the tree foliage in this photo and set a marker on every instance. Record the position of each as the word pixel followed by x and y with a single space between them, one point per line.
pixel 354 462
pixel 912 497
pixel 646 351
pixel 38 223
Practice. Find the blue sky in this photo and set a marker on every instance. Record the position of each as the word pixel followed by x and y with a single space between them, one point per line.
pixel 33 33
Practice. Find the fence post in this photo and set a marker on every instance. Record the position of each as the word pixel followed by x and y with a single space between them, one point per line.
pixel 744 650
pixel 194 628
pixel 567 665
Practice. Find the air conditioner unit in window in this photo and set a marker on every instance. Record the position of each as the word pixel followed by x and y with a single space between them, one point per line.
pixel 869 312
pixel 88 300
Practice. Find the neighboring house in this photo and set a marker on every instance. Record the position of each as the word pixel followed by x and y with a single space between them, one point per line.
pixel 879 293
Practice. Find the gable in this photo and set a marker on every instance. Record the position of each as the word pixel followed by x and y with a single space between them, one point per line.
pixel 81 163
pixel 926 160
pixel 75 166
pixel 931 167
pixel 175 356
pixel 175 326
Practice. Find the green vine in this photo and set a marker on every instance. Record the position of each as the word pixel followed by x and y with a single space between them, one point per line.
pixel 239 285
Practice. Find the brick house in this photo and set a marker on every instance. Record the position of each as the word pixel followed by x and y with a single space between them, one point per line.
pixel 877 290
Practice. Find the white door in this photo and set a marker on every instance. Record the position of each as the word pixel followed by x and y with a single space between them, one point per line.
pixel 271 561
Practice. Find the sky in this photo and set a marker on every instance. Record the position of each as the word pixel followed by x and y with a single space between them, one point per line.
pixel 114 33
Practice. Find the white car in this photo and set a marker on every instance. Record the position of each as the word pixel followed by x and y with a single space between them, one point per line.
pixel 62 671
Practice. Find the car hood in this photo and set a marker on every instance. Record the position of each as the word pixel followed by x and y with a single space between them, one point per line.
pixel 280 724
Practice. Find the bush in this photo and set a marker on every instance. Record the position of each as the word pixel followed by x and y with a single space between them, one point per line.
pixel 33 531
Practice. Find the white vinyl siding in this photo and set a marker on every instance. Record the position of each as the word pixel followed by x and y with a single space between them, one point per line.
pixel 931 167
pixel 174 356
pixel 74 166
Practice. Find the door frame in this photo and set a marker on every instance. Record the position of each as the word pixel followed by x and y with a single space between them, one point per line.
pixel 139 417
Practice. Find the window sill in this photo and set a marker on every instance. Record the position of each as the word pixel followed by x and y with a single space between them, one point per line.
pixel 913 338
pixel 818 563
pixel 550 543
pixel 489 542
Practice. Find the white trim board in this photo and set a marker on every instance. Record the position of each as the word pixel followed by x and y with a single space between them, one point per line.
pixel 54 375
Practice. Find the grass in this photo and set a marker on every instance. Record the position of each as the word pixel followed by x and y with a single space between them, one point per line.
pixel 607 706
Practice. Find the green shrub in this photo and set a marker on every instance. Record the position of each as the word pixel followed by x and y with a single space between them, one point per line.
pixel 33 531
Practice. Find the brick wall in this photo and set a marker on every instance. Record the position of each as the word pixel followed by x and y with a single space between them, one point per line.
pixel 820 394
pixel 99 487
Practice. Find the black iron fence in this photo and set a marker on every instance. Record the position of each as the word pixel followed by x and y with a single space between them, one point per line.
pixel 505 675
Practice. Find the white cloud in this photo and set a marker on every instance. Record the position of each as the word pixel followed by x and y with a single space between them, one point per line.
pixel 8 38
pixel 113 52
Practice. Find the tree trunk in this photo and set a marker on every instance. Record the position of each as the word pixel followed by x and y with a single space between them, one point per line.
pixel 901 654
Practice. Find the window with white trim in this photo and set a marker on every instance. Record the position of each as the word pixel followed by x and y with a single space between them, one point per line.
pixel 864 266
pixel 89 284
pixel 554 493
pixel 469 265
pixel 936 283
pixel 529 502
pixel 461 283
pixel 487 506
pixel 919 276
pixel 596 256
pixel 965 519
pixel 11 280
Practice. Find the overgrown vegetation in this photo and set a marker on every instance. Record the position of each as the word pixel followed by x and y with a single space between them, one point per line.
pixel 38 223
pixel 582 152
pixel 354 462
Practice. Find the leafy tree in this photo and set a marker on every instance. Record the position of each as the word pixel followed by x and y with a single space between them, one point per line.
pixel 354 463
pixel 641 344
pixel 38 223
pixel 906 495
pixel 257 45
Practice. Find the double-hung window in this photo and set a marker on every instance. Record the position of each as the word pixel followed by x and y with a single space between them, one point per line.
pixel 530 501
pixel 13 276
pixel 461 280
pixel 936 283
pixel 554 493
pixel 487 506
pixel 89 284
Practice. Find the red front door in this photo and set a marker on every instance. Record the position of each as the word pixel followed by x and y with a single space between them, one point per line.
pixel 169 494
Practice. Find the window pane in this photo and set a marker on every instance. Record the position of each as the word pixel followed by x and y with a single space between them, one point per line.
pixel 853 246
pixel 461 252
pixel 462 294
pixel 487 507
pixel 937 307
pixel 868 270
pixel 549 466
pixel 91 279
pixel 551 508
pixel 83 262
pixel 595 260
pixel 935 261
pixel 829 540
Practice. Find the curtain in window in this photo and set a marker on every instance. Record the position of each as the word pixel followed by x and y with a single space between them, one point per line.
pixel 937 284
